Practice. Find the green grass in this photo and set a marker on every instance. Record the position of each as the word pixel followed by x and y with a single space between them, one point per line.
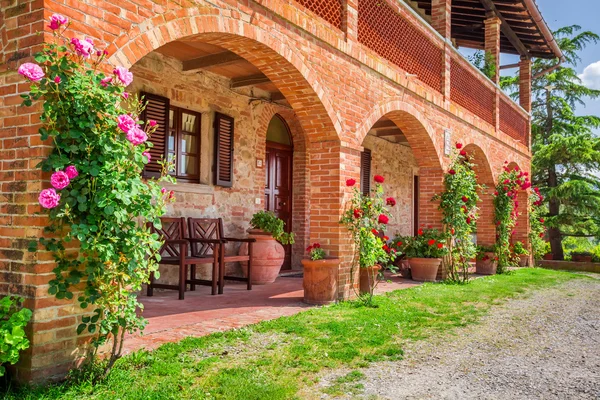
pixel 275 359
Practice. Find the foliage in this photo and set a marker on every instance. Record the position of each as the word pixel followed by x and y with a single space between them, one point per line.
pixel 97 230
pixel 13 340
pixel 536 224
pixel 365 217
pixel 506 208
pixel 579 245
pixel 566 151
pixel 484 61
pixel 484 251
pixel 268 222
pixel 458 204
pixel 429 243
pixel 278 359
pixel 315 252
pixel 519 249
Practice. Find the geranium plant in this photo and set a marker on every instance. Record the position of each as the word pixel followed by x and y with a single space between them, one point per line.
pixel 99 204
pixel 13 318
pixel 458 204
pixel 506 210
pixel 366 217
pixel 519 249
pixel 315 252
pixel 428 243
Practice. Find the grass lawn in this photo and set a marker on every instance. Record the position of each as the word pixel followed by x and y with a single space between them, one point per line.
pixel 275 359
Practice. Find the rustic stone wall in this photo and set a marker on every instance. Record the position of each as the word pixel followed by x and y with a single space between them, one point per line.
pixel 396 163
pixel 205 92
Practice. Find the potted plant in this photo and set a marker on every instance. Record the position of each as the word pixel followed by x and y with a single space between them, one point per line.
pixel 425 252
pixel 268 253
pixel 521 253
pixel 487 261
pixel 581 256
pixel 320 276
pixel 365 217
pixel 401 262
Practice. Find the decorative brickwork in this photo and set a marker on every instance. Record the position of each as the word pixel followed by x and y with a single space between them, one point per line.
pixel 513 122
pixel 397 40
pixel 330 10
pixel 470 91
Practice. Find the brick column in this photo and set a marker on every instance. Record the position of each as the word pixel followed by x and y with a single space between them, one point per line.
pixel 441 20
pixel 525 83
pixel 350 22
pixel 486 228
pixel 492 47
pixel 331 164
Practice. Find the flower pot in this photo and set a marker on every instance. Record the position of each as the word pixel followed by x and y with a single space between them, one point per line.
pixel 424 269
pixel 267 257
pixel 579 257
pixel 488 266
pixel 404 269
pixel 368 277
pixel 320 280
pixel 548 256
pixel 523 260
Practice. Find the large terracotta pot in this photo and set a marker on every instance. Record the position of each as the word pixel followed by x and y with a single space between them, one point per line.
pixel 424 269
pixel 523 260
pixel 488 266
pixel 320 280
pixel 548 256
pixel 267 257
pixel 368 277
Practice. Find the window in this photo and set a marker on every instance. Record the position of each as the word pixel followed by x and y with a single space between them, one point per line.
pixel 177 138
pixel 365 172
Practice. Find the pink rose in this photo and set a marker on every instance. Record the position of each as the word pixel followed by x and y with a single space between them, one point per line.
pixel 124 75
pixel 60 180
pixel 147 154
pixel 57 79
pixel 137 136
pixel 83 47
pixel 71 172
pixel 163 190
pixel 152 123
pixel 49 198
pixel 125 95
pixel 56 20
pixel 31 71
pixel 126 123
pixel 104 82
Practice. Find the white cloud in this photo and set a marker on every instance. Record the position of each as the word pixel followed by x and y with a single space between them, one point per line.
pixel 591 75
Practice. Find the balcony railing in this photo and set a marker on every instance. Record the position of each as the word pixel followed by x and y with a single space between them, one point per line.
pixel 419 51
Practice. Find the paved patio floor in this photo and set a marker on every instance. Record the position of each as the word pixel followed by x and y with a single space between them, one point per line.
pixel 200 314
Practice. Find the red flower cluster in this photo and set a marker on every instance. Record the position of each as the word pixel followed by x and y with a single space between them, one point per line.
pixel 379 179
pixel 452 172
pixel 390 201
pixel 358 213
pixel 465 199
pixel 383 219
pixel 420 231
pixel 459 146
pixel 350 182
pixel 374 232
pixel 313 246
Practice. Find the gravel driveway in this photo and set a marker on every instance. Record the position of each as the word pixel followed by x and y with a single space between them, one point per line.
pixel 546 346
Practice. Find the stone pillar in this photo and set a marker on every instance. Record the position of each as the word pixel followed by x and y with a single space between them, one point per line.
pixel 331 164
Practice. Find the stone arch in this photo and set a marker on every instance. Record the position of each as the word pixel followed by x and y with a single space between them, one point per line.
pixel 265 49
pixel 486 228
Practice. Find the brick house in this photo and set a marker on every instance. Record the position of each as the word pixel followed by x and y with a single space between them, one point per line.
pixel 313 92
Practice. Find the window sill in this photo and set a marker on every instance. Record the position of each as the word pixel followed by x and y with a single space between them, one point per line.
pixel 199 188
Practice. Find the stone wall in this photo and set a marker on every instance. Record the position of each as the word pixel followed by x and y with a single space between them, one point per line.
pixel 396 163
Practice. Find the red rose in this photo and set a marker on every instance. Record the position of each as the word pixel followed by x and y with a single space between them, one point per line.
pixel 316 245
pixel 463 153
pixel 440 245
pixel 452 231
pixel 374 232
pixel 452 172
pixel 383 219
pixel 386 248
pixel 309 248
pixel 459 146
pixel 542 234
pixel 495 193
pixel 390 201
pixel 379 179
pixel 465 199
pixel 357 213
pixel 350 182
pixel 386 238
pixel 399 244
pixel 420 231
pixel 431 242
pixel 469 220
pixel 542 220
pixel 516 167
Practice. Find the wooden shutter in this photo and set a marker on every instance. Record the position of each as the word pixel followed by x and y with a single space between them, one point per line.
pixel 157 109
pixel 223 150
pixel 365 172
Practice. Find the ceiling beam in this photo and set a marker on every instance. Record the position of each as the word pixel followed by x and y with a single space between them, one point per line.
pixel 249 80
pixel 506 29
pixel 226 57
pixel 383 124
pixel 389 132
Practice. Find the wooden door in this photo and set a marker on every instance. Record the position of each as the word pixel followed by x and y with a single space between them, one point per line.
pixel 278 188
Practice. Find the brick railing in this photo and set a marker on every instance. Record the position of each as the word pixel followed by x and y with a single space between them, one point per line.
pixel 470 90
pixel 331 11
pixel 514 121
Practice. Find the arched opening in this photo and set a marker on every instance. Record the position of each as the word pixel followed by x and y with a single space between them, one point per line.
pixel 485 234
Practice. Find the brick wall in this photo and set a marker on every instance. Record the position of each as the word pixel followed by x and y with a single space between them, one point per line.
pixel 337 88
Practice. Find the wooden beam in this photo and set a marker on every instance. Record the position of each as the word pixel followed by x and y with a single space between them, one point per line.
pixel 383 124
pixel 506 29
pixel 509 66
pixel 390 132
pixel 250 80
pixel 226 57
pixel 466 28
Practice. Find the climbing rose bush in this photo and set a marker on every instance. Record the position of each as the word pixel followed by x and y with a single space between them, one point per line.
pixel 98 205
pixel 458 203
pixel 537 229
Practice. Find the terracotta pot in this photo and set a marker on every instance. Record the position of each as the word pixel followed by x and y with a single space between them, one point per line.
pixel 548 256
pixel 267 257
pixel 424 269
pixel 523 260
pixel 405 269
pixel 368 277
pixel 487 267
pixel 581 257
pixel 320 280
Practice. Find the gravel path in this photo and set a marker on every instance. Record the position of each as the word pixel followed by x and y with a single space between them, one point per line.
pixel 546 346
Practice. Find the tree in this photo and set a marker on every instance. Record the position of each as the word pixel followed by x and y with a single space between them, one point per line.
pixel 566 151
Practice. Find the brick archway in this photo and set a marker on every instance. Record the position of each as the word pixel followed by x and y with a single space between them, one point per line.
pixel 486 228
pixel 287 69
